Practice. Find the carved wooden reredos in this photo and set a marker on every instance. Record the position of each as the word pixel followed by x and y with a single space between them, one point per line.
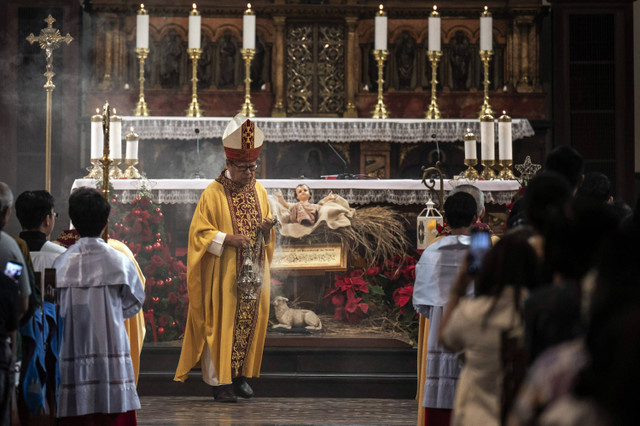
pixel 337 72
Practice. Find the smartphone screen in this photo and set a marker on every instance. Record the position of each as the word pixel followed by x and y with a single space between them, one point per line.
pixel 480 245
pixel 13 270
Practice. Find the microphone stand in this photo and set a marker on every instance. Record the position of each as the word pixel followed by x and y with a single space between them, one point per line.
pixel 345 174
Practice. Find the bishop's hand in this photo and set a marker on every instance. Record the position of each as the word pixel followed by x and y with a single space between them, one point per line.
pixel 238 241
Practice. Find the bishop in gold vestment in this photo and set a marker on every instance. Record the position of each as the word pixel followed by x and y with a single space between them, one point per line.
pixel 225 330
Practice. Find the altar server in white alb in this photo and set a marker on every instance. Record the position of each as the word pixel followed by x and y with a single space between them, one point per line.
pixel 98 287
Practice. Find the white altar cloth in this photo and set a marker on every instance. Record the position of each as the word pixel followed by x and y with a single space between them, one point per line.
pixel 338 130
pixel 366 191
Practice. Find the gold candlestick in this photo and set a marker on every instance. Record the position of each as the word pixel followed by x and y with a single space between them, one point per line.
pixel 507 170
pixel 433 113
pixel 106 160
pixel 488 173
pixel 471 173
pixel 194 107
pixel 141 108
pixel 49 40
pixel 248 110
pixel 485 56
pixel 131 172
pixel 380 110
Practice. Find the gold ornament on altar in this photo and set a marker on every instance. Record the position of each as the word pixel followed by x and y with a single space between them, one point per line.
pixel 194 52
pixel 49 40
pixel 470 157
pixel 132 156
pixel 433 112
pixel 486 52
pixel 248 51
pixel 142 53
pixel 380 53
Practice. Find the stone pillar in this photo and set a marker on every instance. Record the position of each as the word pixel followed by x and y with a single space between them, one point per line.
pixel 351 71
pixel 279 109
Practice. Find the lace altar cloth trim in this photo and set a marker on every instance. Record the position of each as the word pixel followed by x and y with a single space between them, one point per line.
pixel 340 130
pixel 393 191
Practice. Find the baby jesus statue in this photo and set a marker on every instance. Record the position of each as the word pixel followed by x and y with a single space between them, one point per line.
pixel 303 212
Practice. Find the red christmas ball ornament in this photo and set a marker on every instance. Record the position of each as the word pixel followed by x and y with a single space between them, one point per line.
pixel 135 255
pixel 127 229
pixel 173 324
pixel 157 246
pixel 168 280
pixel 160 214
pixel 158 235
pixel 160 283
pixel 157 209
pixel 155 299
pixel 113 200
pixel 148 248
pixel 161 331
pixel 138 198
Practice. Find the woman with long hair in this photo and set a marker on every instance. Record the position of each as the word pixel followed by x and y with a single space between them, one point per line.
pixel 479 326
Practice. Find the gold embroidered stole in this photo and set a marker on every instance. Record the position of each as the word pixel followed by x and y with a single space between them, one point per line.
pixel 246 216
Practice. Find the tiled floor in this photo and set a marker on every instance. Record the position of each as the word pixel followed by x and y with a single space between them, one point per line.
pixel 186 411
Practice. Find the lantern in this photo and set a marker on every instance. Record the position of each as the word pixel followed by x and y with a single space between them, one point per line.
pixel 427 227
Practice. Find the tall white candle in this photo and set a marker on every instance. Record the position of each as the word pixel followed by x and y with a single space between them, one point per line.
pixel 132 145
pixel 470 141
pixel 486 30
pixel 142 28
pixel 249 28
pixel 381 29
pixel 434 30
pixel 487 136
pixel 194 28
pixel 505 140
pixel 97 136
pixel 115 136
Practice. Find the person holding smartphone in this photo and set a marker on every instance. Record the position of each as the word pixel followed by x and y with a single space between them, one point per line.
pixel 10 251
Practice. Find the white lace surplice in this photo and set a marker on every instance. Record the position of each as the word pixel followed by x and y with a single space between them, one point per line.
pixel 98 288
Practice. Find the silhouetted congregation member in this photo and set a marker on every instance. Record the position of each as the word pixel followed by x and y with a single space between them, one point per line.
pixel 476 326
pixel 98 287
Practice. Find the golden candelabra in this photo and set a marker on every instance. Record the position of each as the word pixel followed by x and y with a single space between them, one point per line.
pixel 487 172
pixel 471 173
pixel 49 40
pixel 380 110
pixel 506 171
pixel 248 110
pixel 433 113
pixel 106 160
pixel 131 172
pixel 141 107
pixel 485 56
pixel 194 107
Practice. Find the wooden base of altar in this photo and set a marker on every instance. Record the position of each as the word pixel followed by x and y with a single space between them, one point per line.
pixel 294 366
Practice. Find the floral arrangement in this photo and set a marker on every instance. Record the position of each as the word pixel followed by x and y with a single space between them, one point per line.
pixel 384 289
pixel 140 225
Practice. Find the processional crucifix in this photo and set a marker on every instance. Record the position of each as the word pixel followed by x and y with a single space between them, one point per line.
pixel 49 39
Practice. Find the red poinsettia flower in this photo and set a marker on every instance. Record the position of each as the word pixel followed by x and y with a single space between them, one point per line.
pixel 173 298
pixel 402 296
pixel 157 261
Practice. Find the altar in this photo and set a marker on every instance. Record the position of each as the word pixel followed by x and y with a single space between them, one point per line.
pixel 177 147
pixel 401 192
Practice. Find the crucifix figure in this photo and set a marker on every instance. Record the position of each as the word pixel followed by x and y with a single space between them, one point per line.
pixel 49 39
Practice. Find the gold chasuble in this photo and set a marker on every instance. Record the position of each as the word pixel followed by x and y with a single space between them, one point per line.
pixel 233 328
